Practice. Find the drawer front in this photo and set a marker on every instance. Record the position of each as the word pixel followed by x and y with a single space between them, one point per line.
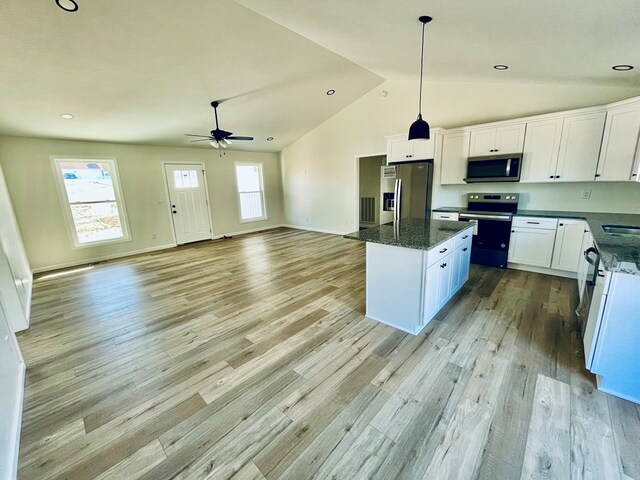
pixel 445 216
pixel 441 251
pixel 535 222
pixel 463 237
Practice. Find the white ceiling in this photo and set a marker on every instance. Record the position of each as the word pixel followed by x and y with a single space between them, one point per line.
pixel 145 72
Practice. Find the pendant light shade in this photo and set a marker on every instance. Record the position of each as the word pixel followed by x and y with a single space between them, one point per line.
pixel 419 130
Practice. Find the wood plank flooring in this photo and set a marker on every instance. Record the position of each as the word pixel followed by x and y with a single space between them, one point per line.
pixel 251 358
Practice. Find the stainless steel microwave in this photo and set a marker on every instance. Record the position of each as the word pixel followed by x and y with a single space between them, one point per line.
pixel 494 168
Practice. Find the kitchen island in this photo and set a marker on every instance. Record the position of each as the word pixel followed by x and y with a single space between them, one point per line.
pixel 413 268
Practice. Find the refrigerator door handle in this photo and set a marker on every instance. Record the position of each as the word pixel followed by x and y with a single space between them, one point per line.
pixel 396 200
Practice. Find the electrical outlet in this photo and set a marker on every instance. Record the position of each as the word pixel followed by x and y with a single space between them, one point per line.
pixel 586 194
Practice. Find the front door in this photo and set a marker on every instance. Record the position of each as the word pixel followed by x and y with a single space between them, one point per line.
pixel 189 206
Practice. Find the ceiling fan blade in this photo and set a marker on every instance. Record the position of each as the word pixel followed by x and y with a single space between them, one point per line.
pixel 192 135
pixel 240 138
pixel 201 140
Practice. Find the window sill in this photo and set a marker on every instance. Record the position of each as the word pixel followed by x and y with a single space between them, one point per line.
pixel 101 243
pixel 253 220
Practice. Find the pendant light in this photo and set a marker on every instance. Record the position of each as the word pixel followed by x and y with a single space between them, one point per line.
pixel 419 130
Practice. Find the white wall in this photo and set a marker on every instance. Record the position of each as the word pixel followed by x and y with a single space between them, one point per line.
pixel 39 211
pixel 319 176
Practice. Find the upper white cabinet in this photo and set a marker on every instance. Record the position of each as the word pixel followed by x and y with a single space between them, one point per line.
pixel 567 249
pixel 453 159
pixel 563 149
pixel 399 149
pixel 580 147
pixel 619 143
pixel 499 140
pixel 541 149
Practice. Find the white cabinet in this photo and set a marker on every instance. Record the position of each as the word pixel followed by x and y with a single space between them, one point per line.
pixel 453 216
pixel 541 149
pixel 461 261
pixel 399 149
pixel 567 247
pixel 453 159
pixel 406 287
pixel 499 140
pixel 580 147
pixel 446 273
pixel 619 143
pixel 532 240
pixel 583 263
pixel 615 355
pixel 563 149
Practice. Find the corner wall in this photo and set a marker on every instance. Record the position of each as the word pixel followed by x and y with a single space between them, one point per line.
pixel 320 182
pixel 39 211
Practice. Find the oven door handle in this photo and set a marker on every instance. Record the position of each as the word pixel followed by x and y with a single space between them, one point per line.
pixel 500 218
pixel 588 258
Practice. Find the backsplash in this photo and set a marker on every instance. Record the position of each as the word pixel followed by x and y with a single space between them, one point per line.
pixel 618 197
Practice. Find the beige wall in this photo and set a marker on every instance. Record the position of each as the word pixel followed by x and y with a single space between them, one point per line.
pixel 29 176
pixel 319 176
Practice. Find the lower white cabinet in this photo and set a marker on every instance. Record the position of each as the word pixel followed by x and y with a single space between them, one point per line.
pixel 444 277
pixel 406 287
pixel 532 240
pixel 461 263
pixel 612 335
pixel 567 248
pixel 583 263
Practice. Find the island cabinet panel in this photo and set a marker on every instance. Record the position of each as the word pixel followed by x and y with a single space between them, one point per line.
pixel 394 285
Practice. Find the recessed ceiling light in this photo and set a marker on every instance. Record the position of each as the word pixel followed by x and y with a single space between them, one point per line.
pixel 331 92
pixel 622 68
pixel 269 139
pixel 501 67
pixel 67 5
pixel 67 116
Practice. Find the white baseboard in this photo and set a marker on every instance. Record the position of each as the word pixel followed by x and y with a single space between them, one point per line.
pixel 547 271
pixel 241 232
pixel 87 261
pixel 319 230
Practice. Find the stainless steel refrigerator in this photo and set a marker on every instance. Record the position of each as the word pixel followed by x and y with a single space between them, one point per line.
pixel 412 190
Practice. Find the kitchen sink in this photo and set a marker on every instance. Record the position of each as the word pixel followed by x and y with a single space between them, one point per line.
pixel 621 230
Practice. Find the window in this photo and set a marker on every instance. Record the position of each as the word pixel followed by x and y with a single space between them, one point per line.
pixel 92 198
pixel 250 192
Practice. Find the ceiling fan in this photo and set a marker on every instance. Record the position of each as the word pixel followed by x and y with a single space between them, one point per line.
pixel 218 138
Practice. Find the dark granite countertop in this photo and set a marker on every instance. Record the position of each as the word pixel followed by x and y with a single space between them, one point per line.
pixel 417 233
pixel 618 253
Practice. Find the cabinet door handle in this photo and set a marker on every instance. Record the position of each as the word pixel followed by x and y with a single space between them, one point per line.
pixel 561 224
pixel 443 250
pixel 534 223
pixel 634 174
pixel 513 231
pixel 465 237
pixel 550 176
pixel 557 176
pixel 408 156
pixel 464 249
pixel 597 175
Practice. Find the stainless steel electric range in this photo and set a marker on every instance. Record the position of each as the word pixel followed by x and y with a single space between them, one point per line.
pixel 492 214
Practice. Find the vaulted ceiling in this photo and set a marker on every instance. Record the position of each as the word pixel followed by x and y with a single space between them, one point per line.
pixel 146 72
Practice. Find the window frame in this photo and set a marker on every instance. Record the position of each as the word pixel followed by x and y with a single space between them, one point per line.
pixel 66 205
pixel 263 196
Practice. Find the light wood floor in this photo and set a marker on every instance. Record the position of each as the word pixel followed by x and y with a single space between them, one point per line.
pixel 251 358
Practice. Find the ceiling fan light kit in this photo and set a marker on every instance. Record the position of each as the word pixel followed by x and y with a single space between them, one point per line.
pixel 419 130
